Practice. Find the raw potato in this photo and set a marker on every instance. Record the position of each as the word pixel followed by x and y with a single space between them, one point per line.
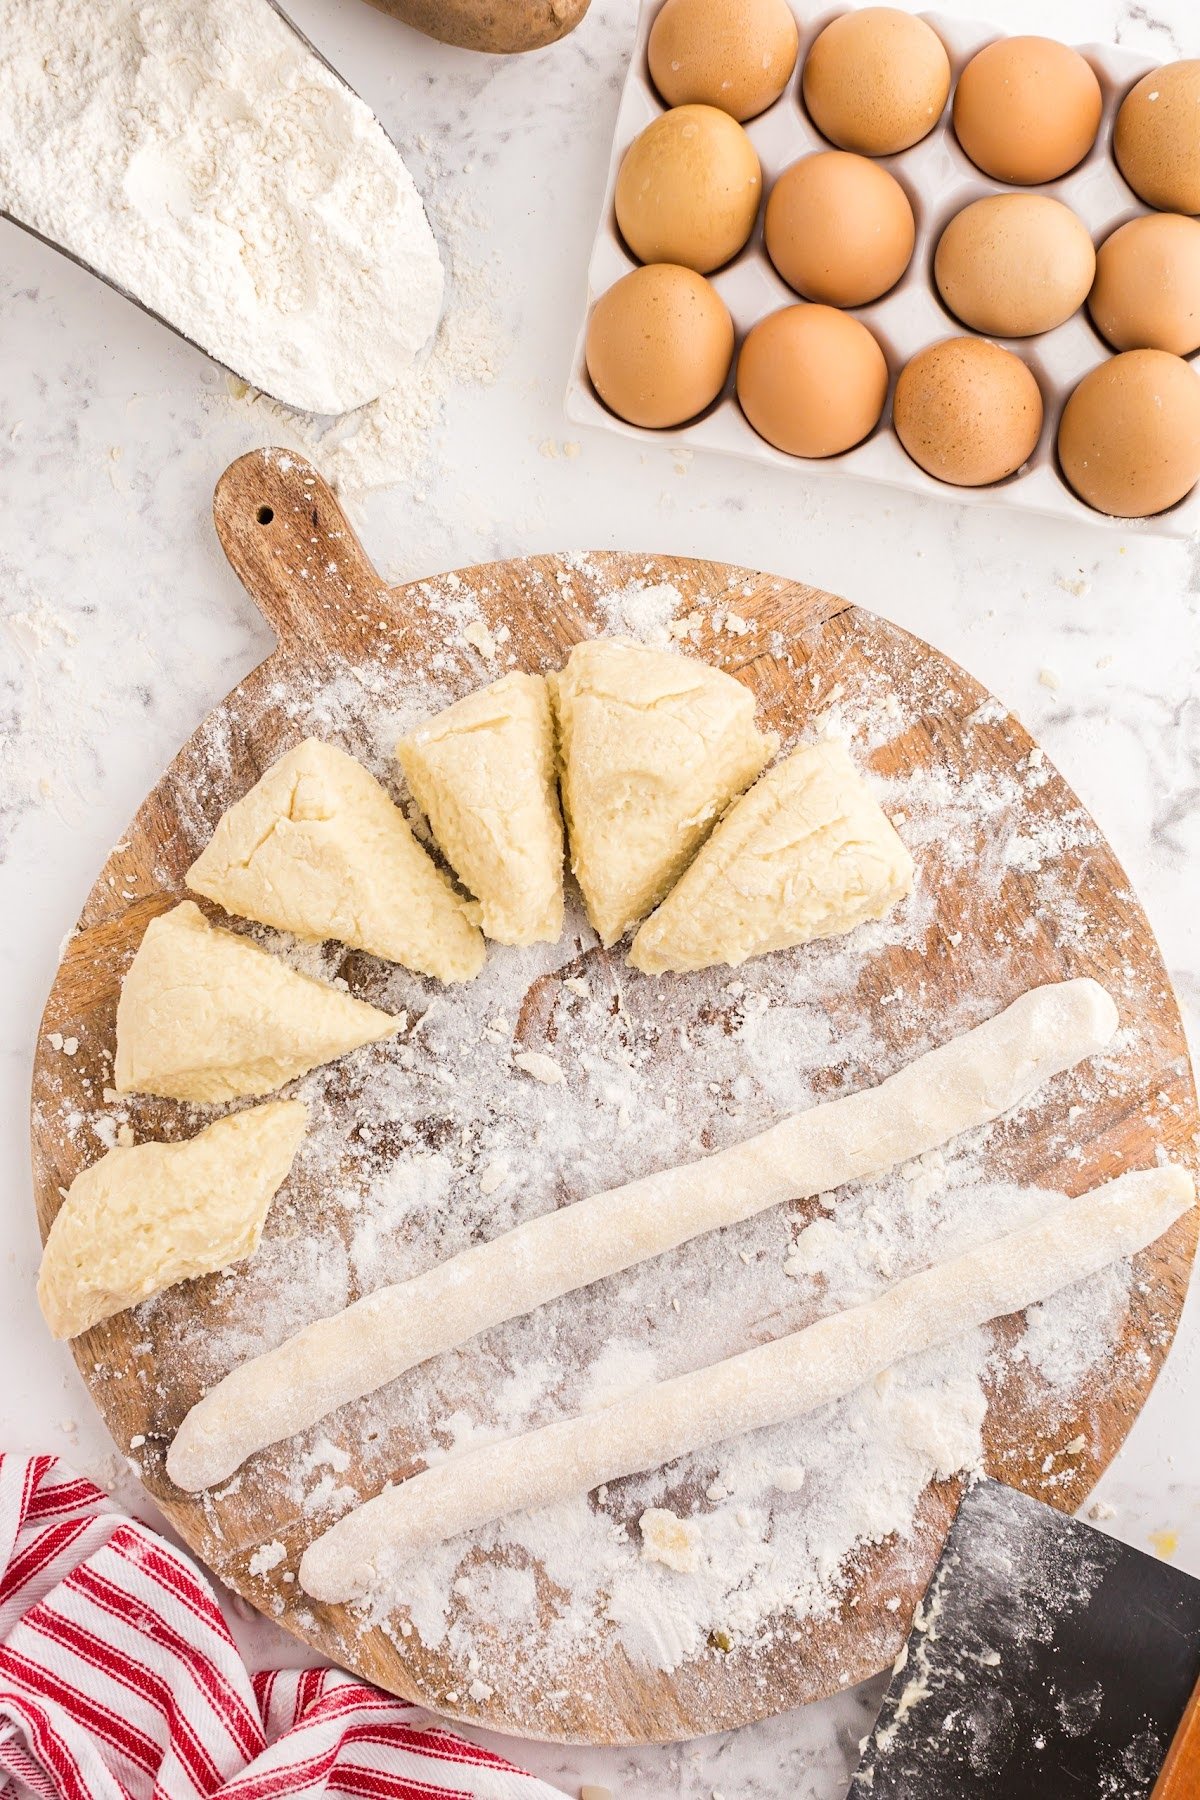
pixel 318 849
pixel 654 746
pixel 150 1215
pixel 807 853
pixel 485 775
pixel 957 1087
pixel 504 27
pixel 206 1015
pixel 766 1386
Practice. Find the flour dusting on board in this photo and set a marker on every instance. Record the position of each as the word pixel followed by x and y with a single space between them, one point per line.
pixel 448 1134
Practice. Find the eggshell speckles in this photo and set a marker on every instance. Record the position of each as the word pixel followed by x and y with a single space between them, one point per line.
pixel 839 228
pixel 1027 109
pixel 1014 264
pixel 1129 438
pixel 688 189
pixel 735 54
pixel 1147 290
pixel 659 345
pixel 811 380
pixel 876 80
pixel 967 411
pixel 1156 140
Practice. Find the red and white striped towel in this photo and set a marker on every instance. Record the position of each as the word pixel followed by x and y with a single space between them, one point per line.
pixel 119 1680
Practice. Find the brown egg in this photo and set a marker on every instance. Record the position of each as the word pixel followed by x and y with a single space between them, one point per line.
pixel 839 228
pixel 876 80
pixel 1014 264
pixel 1156 139
pixel 735 54
pixel 1129 437
pixel 967 411
pixel 688 189
pixel 659 345
pixel 811 380
pixel 1147 290
pixel 1027 109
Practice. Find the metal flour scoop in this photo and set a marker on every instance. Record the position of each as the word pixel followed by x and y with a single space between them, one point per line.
pixel 294 391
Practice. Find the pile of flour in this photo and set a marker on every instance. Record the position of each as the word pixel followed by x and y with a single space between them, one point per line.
pixel 200 156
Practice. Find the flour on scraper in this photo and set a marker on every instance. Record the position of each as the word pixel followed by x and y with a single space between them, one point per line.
pixel 654 746
pixel 485 775
pixel 206 1015
pixel 317 848
pixel 807 853
pixel 148 1215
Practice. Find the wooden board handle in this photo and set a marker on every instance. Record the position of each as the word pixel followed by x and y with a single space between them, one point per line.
pixel 296 554
pixel 1179 1778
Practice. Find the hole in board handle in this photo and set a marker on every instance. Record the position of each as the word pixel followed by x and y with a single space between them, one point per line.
pixel 265 514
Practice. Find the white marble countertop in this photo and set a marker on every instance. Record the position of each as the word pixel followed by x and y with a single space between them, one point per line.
pixel 120 625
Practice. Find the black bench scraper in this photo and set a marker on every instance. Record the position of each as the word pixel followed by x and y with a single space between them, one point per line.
pixel 1046 1662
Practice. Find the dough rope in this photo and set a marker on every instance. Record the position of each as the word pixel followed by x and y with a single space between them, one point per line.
pixel 962 1084
pixel 761 1387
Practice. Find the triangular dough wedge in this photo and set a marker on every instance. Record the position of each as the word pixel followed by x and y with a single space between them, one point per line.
pixel 807 853
pixel 318 849
pixel 206 1015
pixel 654 746
pixel 485 775
pixel 147 1216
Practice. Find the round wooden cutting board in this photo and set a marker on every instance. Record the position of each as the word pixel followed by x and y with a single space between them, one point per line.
pixel 794 646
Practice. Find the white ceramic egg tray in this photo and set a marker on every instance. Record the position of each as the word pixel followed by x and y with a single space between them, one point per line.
pixel 939 180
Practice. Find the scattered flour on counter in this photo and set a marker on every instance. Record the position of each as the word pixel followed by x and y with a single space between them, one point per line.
pixel 200 156
pixel 438 1139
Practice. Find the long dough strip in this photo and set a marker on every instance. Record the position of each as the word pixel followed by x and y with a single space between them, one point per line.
pixel 762 1387
pixel 965 1083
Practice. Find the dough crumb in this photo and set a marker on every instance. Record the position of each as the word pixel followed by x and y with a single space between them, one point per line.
pixel 669 1540
pixel 480 638
pixel 790 1479
pixel 541 1067
pixel 267 1557
pixel 812 1248
pixel 493 1177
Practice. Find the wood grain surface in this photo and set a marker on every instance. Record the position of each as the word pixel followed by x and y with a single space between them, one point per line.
pixel 289 542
